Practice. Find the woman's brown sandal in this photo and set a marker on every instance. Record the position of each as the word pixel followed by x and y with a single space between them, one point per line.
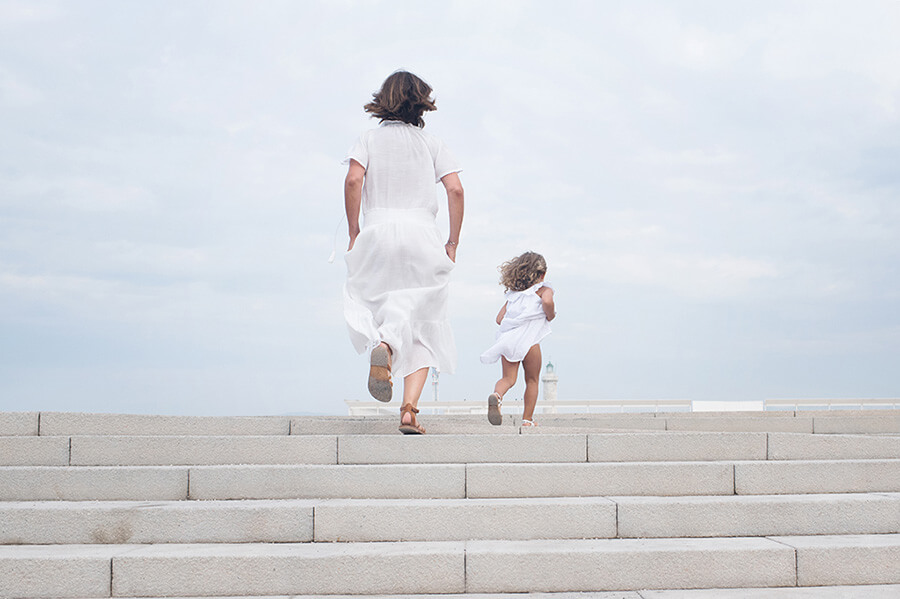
pixel 413 427
pixel 494 403
pixel 380 385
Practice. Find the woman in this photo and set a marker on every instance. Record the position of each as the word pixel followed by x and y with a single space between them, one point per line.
pixel 398 269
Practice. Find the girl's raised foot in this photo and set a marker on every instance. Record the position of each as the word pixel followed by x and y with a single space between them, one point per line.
pixel 494 403
pixel 380 385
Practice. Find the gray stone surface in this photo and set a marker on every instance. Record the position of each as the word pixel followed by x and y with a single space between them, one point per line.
pixel 853 413
pixel 59 571
pixel 887 423
pixel 73 423
pixel 629 564
pixel 116 522
pixel 765 515
pixel 560 423
pixel 849 559
pixel 598 479
pixel 387 425
pixel 436 449
pixel 822 476
pixel 290 569
pixel 202 450
pixel 831 592
pixel 597 595
pixel 34 451
pixel 465 519
pixel 78 484
pixel 749 424
pixel 787 446
pixel 411 481
pixel 18 423
pixel 676 447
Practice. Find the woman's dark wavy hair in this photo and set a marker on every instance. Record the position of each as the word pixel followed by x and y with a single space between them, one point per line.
pixel 402 97
pixel 523 271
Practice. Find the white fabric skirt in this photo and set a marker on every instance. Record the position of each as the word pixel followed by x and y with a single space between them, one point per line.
pixel 514 342
pixel 398 277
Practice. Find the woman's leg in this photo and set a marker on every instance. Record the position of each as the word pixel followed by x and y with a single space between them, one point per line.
pixel 532 366
pixel 412 390
pixel 507 377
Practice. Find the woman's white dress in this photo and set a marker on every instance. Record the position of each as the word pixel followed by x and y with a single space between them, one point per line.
pixel 523 325
pixel 398 271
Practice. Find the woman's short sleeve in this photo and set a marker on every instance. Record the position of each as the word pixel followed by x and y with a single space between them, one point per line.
pixel 444 161
pixel 358 152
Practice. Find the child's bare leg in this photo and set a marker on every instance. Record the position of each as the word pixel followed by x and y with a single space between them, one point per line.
pixel 412 390
pixel 507 377
pixel 531 364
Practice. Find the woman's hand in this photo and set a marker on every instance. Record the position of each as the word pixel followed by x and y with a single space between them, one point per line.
pixel 450 248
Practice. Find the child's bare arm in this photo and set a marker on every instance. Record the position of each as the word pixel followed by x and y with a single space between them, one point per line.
pixel 501 314
pixel 547 304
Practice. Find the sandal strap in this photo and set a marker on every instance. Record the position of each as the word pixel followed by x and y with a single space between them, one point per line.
pixel 408 407
pixel 380 372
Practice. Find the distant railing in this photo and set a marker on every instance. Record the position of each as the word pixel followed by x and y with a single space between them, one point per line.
pixel 514 406
pixel 833 404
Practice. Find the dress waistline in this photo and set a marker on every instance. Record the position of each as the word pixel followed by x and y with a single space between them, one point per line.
pixel 391 215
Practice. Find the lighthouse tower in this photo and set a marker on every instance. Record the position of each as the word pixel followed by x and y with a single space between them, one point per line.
pixel 550 379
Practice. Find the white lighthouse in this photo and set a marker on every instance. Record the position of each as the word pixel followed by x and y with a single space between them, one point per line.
pixel 550 379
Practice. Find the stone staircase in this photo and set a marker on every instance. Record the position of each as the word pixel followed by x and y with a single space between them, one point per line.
pixel 625 506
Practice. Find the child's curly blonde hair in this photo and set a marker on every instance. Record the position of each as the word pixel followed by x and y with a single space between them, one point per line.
pixel 522 272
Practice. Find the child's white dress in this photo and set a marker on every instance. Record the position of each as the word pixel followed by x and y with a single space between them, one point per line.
pixel 523 325
pixel 398 271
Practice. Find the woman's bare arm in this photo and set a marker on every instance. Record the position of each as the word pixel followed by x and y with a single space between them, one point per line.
pixel 353 197
pixel 455 208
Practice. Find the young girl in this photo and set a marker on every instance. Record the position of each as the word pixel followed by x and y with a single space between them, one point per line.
pixel 524 320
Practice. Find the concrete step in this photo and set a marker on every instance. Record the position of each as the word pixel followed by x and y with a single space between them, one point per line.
pixel 123 522
pixel 884 591
pixel 74 424
pixel 446 481
pixel 454 424
pixel 231 569
pixel 787 446
pixel 682 478
pixel 202 450
pixel 34 451
pixel 795 424
pixel 344 520
pixel 77 424
pixel 816 476
pixel 760 515
pixel 886 423
pixel 137 450
pixel 53 483
pixel 846 559
pixel 548 566
pixel 446 567
pixel 18 423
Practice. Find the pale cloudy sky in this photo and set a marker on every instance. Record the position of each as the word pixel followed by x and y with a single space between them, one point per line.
pixel 715 186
